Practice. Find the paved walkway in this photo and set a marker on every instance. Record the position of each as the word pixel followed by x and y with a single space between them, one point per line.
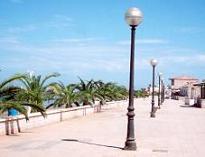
pixel 175 132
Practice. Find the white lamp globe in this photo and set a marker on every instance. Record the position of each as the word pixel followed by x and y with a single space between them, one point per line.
pixel 160 74
pixel 153 62
pixel 133 16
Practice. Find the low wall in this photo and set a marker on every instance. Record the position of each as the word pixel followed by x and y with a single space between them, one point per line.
pixel 189 101
pixel 200 103
pixel 13 125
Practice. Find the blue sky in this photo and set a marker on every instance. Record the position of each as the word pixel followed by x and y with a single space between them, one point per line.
pixel 90 39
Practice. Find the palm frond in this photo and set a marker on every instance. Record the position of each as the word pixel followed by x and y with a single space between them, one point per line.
pixel 13 105
pixel 9 80
pixel 37 107
pixel 48 77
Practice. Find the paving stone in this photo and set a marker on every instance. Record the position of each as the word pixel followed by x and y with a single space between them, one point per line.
pixel 175 132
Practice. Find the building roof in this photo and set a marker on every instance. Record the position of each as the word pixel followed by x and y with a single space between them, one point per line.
pixel 200 84
pixel 184 78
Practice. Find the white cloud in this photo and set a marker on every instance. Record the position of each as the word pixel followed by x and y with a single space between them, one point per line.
pixel 201 57
pixel 144 41
pixel 152 41
pixel 54 56
pixel 62 17
pixel 57 22
pixel 76 40
pixel 9 40
pixel 74 57
pixel 22 29
pixel 181 61
pixel 60 21
pixel 189 29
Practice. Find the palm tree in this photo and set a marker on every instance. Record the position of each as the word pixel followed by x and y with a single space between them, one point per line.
pixel 87 92
pixel 141 93
pixel 111 91
pixel 7 97
pixel 123 92
pixel 35 90
pixel 64 95
pixel 103 89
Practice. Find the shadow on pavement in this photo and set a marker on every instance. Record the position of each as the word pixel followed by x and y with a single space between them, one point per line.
pixel 187 106
pixel 90 143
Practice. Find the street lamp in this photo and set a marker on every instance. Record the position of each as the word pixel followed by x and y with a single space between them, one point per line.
pixel 163 91
pixel 159 92
pixel 153 63
pixel 133 17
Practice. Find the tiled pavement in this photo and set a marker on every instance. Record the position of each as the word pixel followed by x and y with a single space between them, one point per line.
pixel 177 131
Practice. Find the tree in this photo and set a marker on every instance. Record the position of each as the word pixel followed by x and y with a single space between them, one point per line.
pixel 35 90
pixel 64 95
pixel 142 93
pixel 87 91
pixel 111 91
pixel 8 94
pixel 117 92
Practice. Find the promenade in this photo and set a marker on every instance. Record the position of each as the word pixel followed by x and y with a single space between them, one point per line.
pixel 177 131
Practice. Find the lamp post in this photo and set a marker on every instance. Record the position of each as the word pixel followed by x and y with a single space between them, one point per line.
pixel 153 63
pixel 163 91
pixel 133 17
pixel 159 92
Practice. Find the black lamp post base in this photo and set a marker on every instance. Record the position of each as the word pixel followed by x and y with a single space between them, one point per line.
pixel 155 109
pixel 152 115
pixel 130 145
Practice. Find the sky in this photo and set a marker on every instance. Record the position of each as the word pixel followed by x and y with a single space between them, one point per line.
pixel 90 39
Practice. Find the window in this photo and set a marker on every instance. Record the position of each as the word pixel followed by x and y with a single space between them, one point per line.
pixel 172 82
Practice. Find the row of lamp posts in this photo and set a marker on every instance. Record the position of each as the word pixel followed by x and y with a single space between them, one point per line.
pixel 153 63
pixel 134 17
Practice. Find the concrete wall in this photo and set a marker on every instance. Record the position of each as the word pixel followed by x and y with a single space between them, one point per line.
pixel 12 125
pixel 178 83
